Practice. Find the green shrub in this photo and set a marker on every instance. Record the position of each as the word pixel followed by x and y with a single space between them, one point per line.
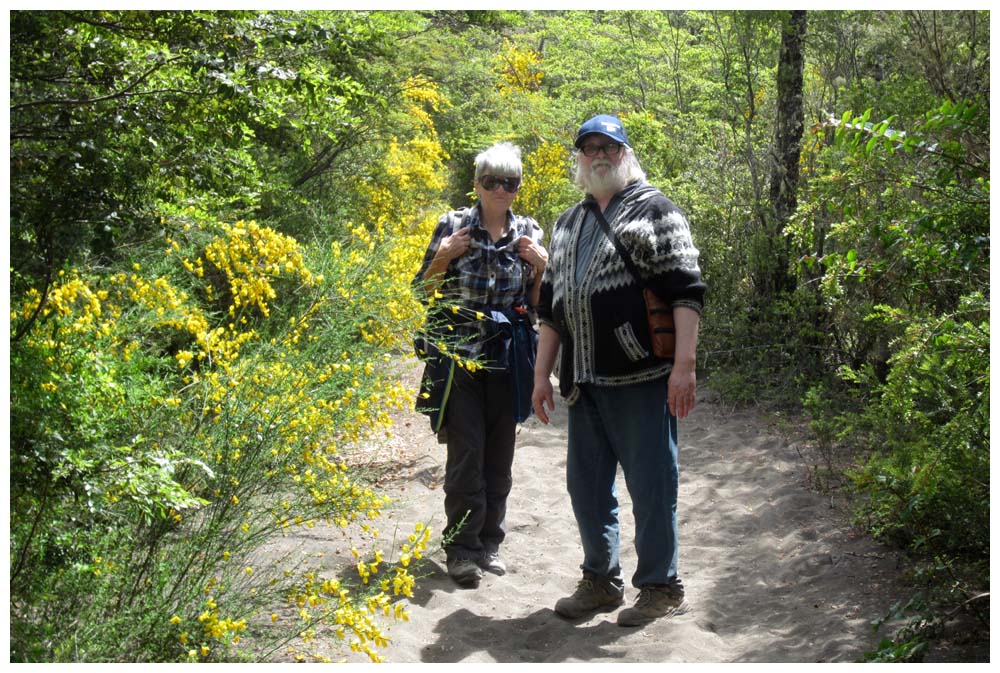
pixel 927 479
pixel 160 436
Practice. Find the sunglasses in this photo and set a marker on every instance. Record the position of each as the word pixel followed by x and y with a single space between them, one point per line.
pixel 611 149
pixel 490 182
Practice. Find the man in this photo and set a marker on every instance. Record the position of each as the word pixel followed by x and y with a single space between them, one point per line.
pixel 623 402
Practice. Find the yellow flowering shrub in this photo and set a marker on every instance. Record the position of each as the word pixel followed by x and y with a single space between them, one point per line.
pixel 327 601
pixel 401 211
pixel 252 402
pixel 251 258
pixel 547 188
pixel 518 69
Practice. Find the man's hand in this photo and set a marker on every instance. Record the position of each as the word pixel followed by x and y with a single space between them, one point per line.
pixel 541 394
pixel 548 348
pixel 681 388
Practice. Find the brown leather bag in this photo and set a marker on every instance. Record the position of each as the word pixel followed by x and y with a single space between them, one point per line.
pixel 659 314
pixel 660 317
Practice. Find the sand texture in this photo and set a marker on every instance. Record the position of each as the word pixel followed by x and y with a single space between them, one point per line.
pixel 773 570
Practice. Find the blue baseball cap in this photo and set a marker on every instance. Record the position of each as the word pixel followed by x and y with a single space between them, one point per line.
pixel 605 125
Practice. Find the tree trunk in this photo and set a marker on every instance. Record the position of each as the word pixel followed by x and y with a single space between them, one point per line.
pixel 787 143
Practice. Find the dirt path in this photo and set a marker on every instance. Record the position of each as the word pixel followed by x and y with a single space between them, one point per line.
pixel 772 570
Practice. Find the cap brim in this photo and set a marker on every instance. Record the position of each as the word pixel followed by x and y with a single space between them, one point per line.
pixel 579 141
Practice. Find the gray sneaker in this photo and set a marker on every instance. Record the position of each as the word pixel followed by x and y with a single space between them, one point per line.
pixel 654 602
pixel 589 597
pixel 491 562
pixel 465 572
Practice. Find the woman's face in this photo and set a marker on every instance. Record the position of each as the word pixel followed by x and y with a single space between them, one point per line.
pixel 499 196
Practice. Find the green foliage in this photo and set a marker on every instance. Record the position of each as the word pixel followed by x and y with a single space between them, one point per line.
pixel 116 113
pixel 910 643
pixel 920 620
pixel 184 391
pixel 156 445
pixel 350 131
pixel 895 235
pixel 774 347
pixel 928 479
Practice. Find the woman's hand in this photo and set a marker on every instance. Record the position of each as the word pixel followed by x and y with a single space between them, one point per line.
pixel 456 245
pixel 532 253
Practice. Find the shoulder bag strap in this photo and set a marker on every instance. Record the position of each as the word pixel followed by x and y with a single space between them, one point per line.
pixel 626 257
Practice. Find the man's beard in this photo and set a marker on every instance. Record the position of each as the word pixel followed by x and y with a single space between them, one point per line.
pixel 610 181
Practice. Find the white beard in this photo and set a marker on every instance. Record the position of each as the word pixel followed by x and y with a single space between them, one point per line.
pixel 602 177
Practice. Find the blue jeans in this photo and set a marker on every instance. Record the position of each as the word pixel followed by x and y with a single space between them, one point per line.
pixel 632 426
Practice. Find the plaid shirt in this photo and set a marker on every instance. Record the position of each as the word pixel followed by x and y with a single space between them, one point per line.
pixel 490 276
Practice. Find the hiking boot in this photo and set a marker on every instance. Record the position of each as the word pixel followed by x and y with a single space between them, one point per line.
pixel 589 597
pixel 491 562
pixel 654 602
pixel 465 572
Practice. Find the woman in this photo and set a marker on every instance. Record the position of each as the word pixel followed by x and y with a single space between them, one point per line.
pixel 487 264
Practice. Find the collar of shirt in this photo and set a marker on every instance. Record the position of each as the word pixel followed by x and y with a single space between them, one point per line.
pixel 476 223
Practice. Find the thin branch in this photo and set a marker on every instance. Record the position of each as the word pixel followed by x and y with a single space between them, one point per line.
pixel 118 94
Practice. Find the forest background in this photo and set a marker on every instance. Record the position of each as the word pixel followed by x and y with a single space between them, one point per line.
pixel 215 217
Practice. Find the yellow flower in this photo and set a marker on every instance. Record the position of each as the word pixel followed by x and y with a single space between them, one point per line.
pixel 175 620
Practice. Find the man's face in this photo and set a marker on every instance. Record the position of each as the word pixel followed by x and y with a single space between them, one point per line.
pixel 600 159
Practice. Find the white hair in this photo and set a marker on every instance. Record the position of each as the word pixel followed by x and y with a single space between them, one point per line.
pixel 502 160
pixel 626 172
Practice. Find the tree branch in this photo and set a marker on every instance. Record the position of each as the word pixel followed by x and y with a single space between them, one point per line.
pixel 118 94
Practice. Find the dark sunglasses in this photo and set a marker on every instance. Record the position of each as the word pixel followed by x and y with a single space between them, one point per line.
pixel 611 149
pixel 490 182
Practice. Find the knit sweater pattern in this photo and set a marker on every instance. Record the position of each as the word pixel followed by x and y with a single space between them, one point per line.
pixel 602 319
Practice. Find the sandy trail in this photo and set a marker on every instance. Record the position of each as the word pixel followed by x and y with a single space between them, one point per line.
pixel 772 569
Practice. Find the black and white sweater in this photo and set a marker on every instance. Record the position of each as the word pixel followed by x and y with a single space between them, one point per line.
pixel 602 319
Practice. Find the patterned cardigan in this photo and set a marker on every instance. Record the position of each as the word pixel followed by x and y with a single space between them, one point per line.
pixel 602 320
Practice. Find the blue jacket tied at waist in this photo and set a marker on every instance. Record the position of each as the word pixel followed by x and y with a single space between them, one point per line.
pixel 510 344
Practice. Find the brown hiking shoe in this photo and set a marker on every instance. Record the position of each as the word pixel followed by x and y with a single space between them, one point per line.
pixel 654 602
pixel 589 597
